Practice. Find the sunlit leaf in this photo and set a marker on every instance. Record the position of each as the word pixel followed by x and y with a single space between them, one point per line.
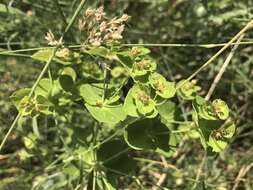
pixel 43 55
pixel 129 105
pixel 167 110
pixel 110 114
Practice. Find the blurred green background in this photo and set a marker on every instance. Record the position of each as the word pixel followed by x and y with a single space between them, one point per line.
pixel 23 24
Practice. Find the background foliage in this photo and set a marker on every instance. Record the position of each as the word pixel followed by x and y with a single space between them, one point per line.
pixel 29 161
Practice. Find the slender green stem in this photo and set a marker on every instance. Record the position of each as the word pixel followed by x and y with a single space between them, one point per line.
pixel 42 73
pixel 249 25
pixel 222 69
pixel 9 131
pixel 79 8
pixel 147 45
pixel 30 95
pixel 105 84
pixel 17 55
pixel 188 45
pixel 94 179
pixel 24 50
pixel 63 18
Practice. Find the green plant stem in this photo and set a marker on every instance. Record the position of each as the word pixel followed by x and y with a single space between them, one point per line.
pixel 146 45
pixel 63 18
pixel 222 69
pixel 10 130
pixel 249 25
pixel 94 179
pixel 105 84
pixel 188 45
pixel 17 55
pixel 30 95
pixel 42 73
pixel 79 8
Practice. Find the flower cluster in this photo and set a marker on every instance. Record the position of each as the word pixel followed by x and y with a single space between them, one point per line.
pixel 99 29
pixel 51 39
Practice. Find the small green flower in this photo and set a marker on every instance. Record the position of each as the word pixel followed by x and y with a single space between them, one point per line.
pixel 189 90
pixel 217 109
pixel 162 87
pixel 142 67
pixel 142 96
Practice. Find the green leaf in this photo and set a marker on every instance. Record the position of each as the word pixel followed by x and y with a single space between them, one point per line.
pixel 66 83
pixel 44 87
pixel 129 105
pixel 173 140
pixel 67 79
pixel 93 94
pixel 137 135
pixel 161 135
pixel 216 145
pixel 167 110
pixel 99 51
pixel 147 134
pixel 221 109
pixel 70 72
pixel 80 135
pixel 152 114
pixel 113 156
pixel 110 114
pixel 43 55
pixel 125 59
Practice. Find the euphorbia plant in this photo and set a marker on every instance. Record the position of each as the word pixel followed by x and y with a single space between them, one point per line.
pixel 122 90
